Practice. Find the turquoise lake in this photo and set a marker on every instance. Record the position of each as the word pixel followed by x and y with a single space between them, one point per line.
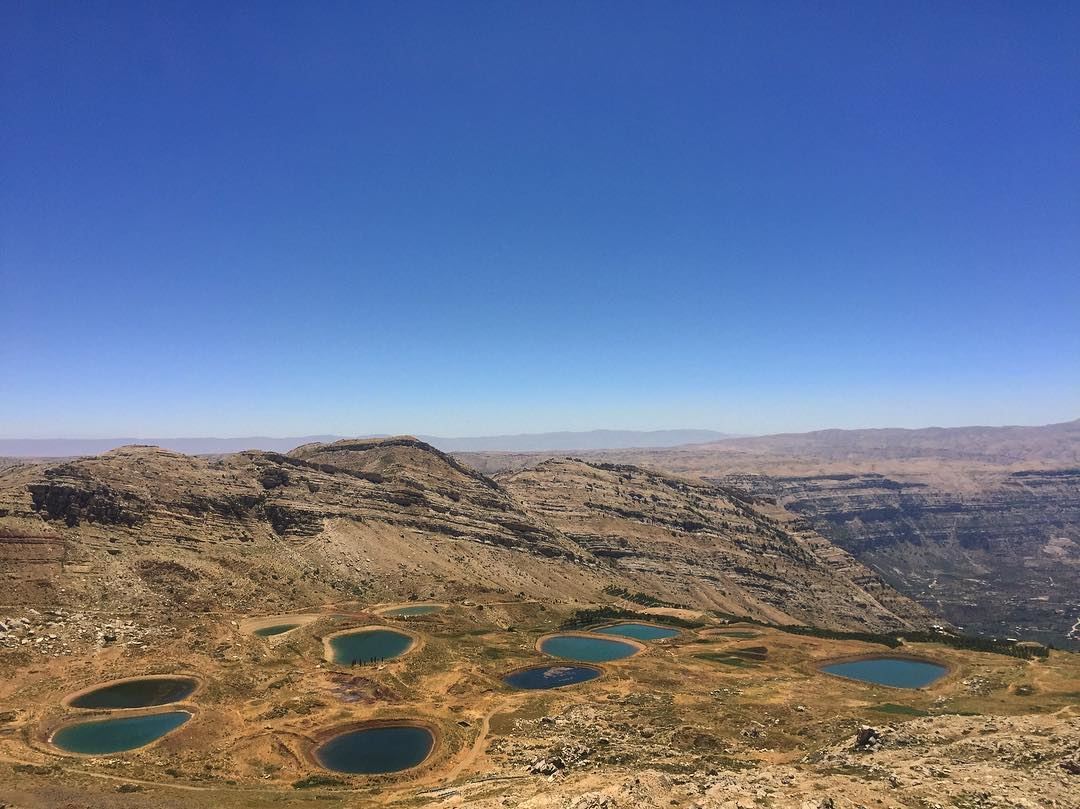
pixel 104 736
pixel 586 649
pixel 894 671
pixel 369 645
pixel 142 693
pixel 544 677
pixel 376 750
pixel 276 629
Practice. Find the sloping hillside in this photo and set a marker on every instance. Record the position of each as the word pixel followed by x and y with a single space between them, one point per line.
pixel 707 544
pixel 1000 556
pixel 979 524
pixel 141 528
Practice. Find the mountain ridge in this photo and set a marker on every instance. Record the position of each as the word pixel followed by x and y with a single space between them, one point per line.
pixel 946 515
pixel 162 530
pixel 517 442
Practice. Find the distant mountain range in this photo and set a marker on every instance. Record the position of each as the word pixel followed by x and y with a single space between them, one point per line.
pixel 801 453
pixel 593 439
pixel 525 442
pixel 979 524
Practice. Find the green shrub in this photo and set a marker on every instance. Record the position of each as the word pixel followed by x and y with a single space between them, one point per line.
pixel 585 618
pixel 317 780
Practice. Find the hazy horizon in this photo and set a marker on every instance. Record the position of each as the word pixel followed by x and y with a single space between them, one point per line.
pixel 317 435
pixel 321 434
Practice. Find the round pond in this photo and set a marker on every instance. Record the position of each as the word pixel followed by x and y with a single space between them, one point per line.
pixel 544 677
pixel 104 736
pixel 366 646
pixel 144 692
pixel 368 751
pixel 587 648
pixel 898 672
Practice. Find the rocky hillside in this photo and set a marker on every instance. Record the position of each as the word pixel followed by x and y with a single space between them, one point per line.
pixel 996 761
pixel 708 544
pixel 981 525
pixel 141 528
pixel 1002 557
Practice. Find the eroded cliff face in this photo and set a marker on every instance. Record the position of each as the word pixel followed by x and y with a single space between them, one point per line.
pixel 710 544
pixel 142 529
pixel 979 524
pixel 999 555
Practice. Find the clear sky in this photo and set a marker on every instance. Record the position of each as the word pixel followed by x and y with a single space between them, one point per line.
pixel 473 218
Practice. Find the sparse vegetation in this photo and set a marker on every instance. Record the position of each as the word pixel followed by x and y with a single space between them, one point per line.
pixel 590 617
pixel 682 708
pixel 317 780
pixel 899 710
pixel 644 599
pixel 894 641
pixel 727 659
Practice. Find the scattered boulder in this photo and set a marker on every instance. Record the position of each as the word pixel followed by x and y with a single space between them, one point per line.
pixel 593 800
pixel 868 738
pixel 546 766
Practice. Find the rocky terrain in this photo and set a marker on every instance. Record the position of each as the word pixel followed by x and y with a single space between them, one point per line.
pixel 942 762
pixel 1002 559
pixel 981 525
pixel 143 529
pixel 710 545
pixel 144 562
pixel 672 727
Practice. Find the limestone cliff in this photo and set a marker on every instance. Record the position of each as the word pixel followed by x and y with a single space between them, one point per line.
pixel 141 528
pixel 1000 555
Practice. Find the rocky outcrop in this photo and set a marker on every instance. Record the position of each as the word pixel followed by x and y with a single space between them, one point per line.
pixel 708 545
pixel 143 527
pixel 240 523
pixel 73 504
pixel 1010 540
pixel 979 524
pixel 988 761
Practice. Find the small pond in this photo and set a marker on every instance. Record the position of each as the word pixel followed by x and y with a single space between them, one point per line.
pixel 276 629
pixel 141 693
pixel 409 612
pixel 898 672
pixel 366 646
pixel 104 736
pixel 638 631
pixel 587 649
pixel 376 750
pixel 543 677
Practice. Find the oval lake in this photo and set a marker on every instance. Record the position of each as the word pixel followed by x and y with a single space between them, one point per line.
pixel 376 750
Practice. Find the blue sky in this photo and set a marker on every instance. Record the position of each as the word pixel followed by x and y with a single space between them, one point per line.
pixel 475 218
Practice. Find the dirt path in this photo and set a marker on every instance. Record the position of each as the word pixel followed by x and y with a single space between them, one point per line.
pixel 478 745
pixel 120 779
